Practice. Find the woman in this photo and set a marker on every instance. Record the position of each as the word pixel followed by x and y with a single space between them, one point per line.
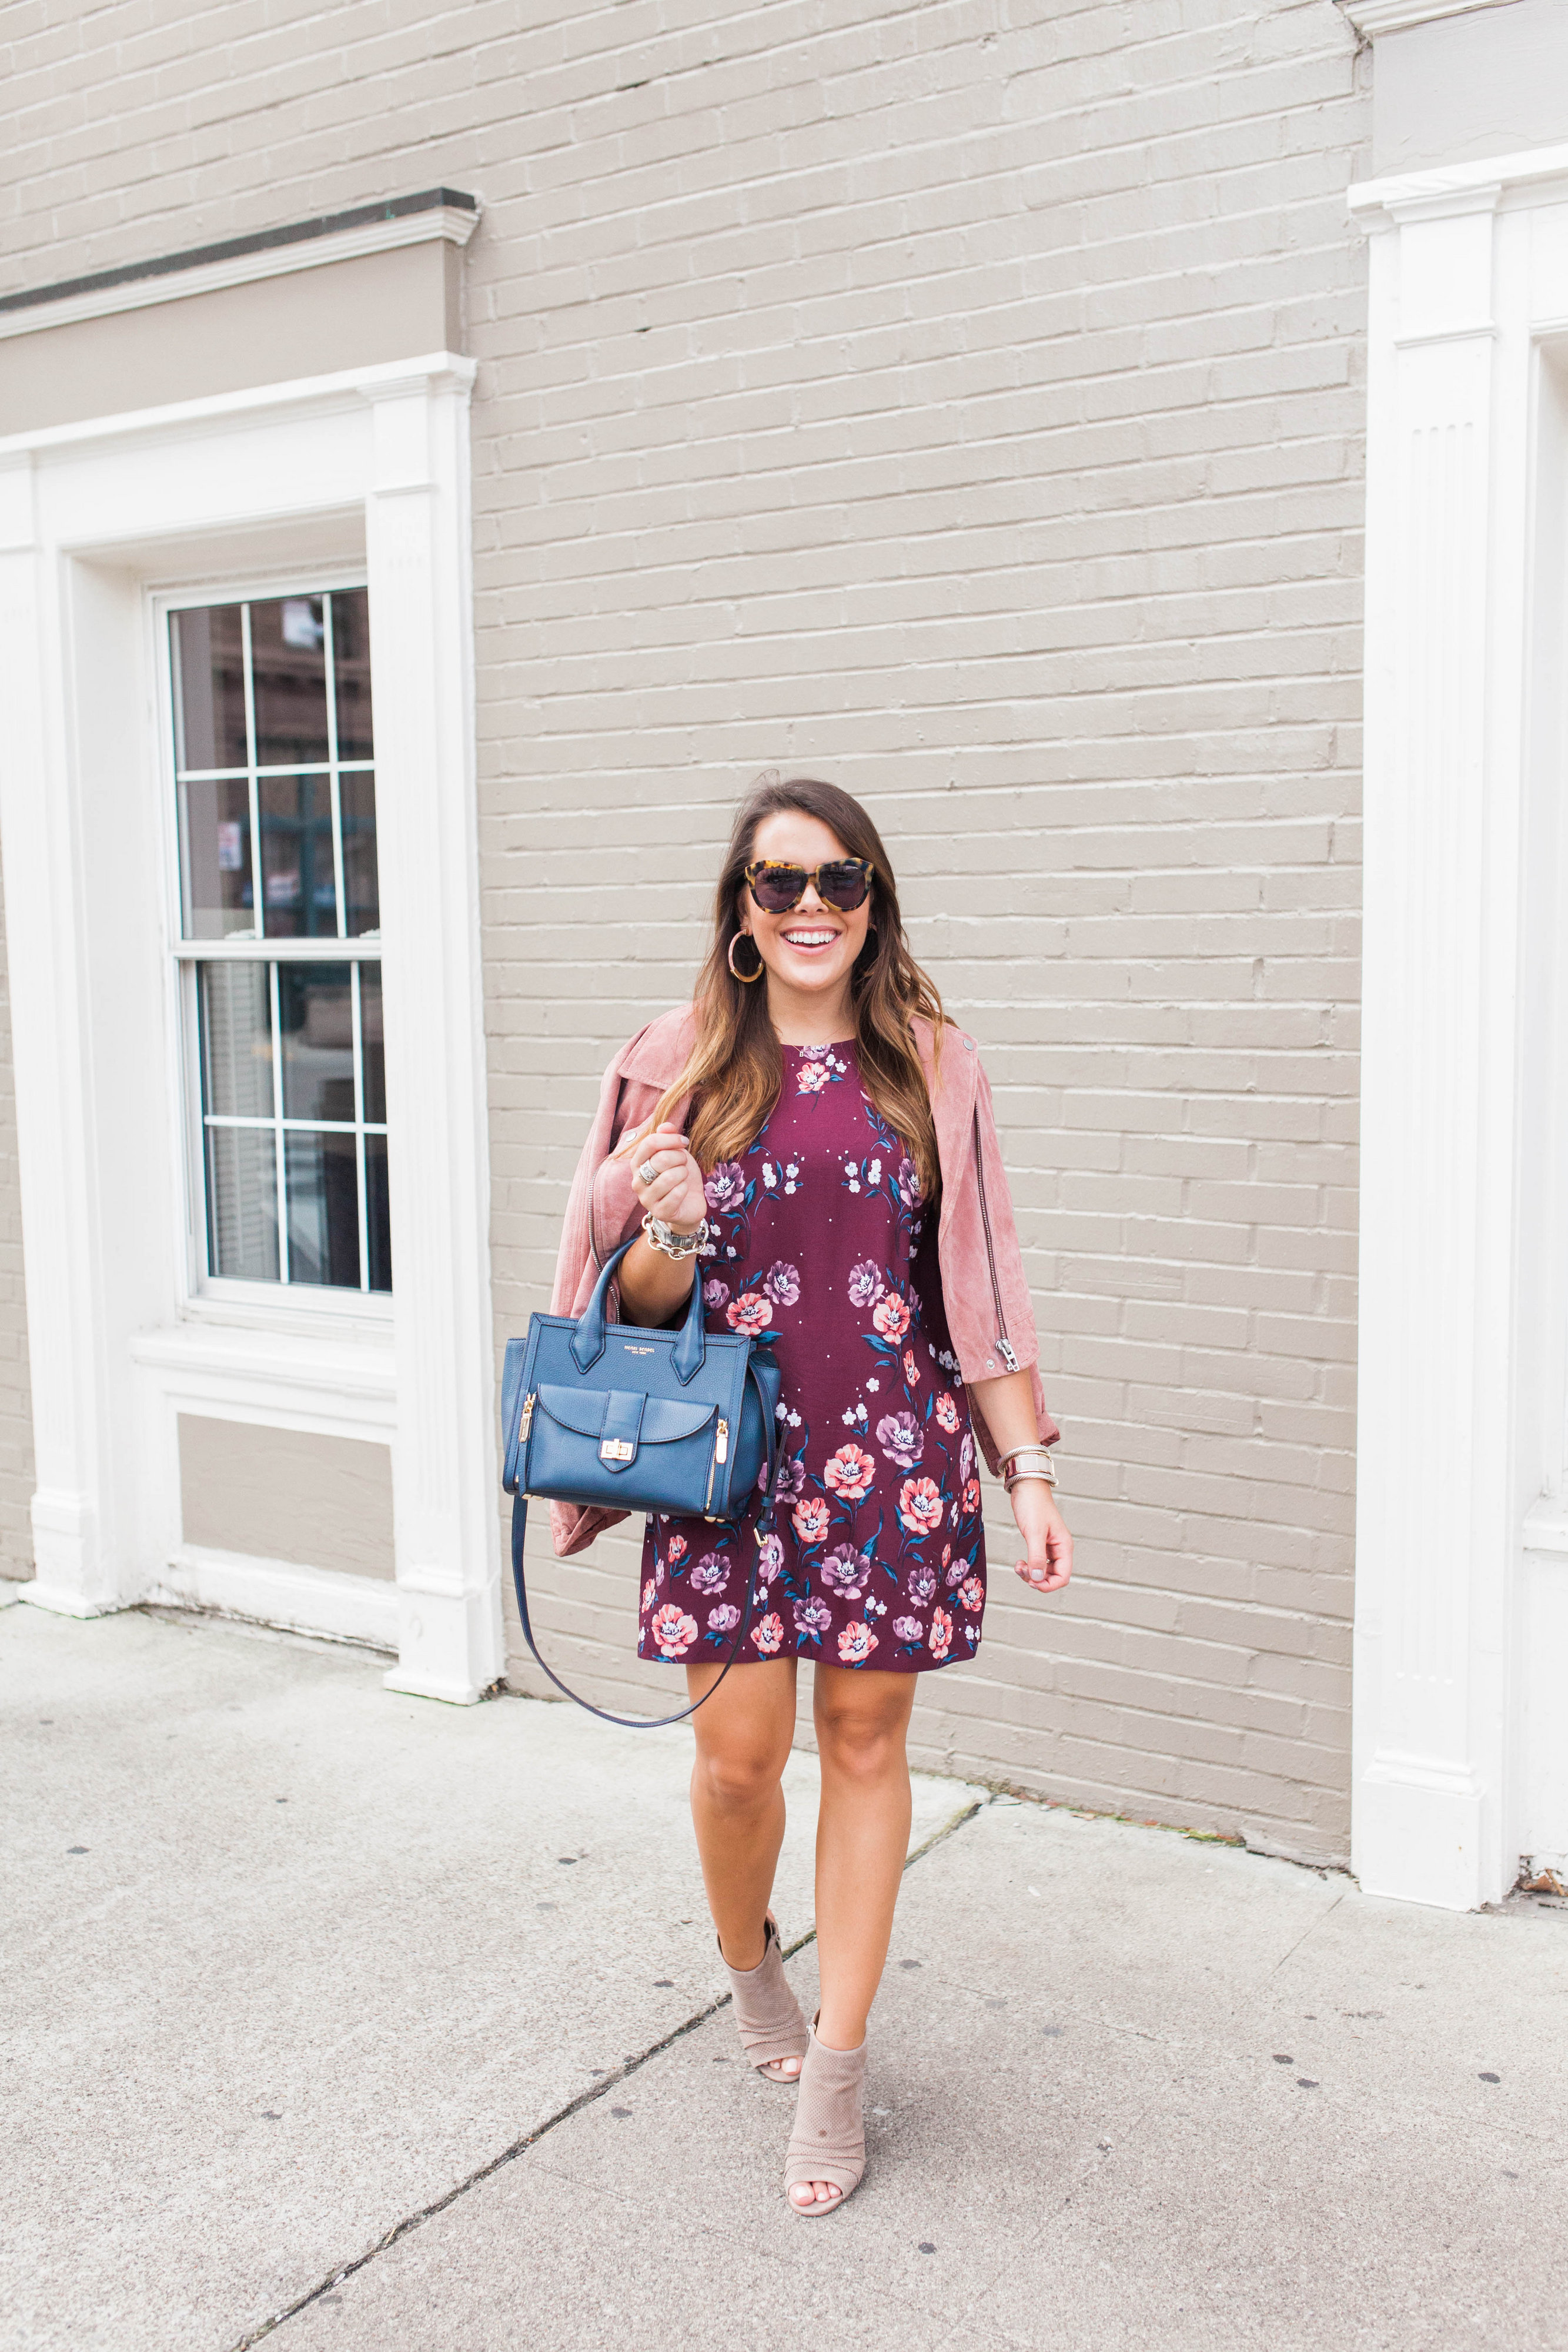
pixel 814 1143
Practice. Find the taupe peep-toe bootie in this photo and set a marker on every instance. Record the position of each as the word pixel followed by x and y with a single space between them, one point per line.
pixel 828 2142
pixel 772 2024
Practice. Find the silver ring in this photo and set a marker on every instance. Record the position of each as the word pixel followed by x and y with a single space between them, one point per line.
pixel 646 1173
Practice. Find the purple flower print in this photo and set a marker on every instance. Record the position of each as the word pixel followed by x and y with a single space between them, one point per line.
pixel 905 1629
pixel 770 1561
pixel 907 1179
pixel 898 1435
pixel 966 1457
pixel 845 1570
pixel 865 1282
pixel 791 1479
pixel 725 1189
pixel 715 1292
pixel 782 1283
pixel 724 1619
pixel 711 1573
pixel 956 1573
pixel 812 1616
pixel 921 1584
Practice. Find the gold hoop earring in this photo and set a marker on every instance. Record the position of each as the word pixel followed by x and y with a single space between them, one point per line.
pixel 745 978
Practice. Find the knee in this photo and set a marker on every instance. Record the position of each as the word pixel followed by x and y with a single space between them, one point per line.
pixel 855 1750
pixel 737 1779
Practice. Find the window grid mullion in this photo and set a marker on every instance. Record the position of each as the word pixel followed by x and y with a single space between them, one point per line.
pixel 277 1127
pixel 328 649
pixel 359 1132
pixel 253 787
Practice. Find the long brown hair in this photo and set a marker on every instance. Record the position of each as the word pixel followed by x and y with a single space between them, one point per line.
pixel 736 1069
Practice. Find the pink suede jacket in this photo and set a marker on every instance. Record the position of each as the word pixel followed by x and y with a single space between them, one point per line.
pixel 990 1316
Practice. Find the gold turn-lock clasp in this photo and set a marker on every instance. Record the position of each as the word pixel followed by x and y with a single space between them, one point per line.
pixel 616 1449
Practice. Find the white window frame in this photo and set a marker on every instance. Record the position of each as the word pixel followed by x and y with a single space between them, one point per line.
pixel 205 1294
pixel 367 470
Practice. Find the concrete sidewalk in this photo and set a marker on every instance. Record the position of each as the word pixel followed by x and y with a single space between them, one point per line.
pixel 292 1963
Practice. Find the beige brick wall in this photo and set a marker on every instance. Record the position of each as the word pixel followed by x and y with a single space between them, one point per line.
pixel 963 401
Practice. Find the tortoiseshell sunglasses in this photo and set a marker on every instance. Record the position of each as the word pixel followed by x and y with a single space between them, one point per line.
pixel 778 888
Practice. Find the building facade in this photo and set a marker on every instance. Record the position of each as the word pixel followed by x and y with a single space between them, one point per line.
pixel 440 466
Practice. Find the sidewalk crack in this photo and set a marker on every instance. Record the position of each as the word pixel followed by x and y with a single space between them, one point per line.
pixel 610 2081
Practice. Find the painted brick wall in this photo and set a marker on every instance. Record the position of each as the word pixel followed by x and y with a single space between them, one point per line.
pixel 961 399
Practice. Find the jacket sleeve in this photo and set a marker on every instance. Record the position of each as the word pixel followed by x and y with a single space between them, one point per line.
pixel 990 1313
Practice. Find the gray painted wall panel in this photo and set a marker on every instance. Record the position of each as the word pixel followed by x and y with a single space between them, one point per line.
pixel 284 1493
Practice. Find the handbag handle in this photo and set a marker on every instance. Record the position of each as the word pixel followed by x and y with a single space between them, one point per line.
pixel 588 1339
pixel 764 1527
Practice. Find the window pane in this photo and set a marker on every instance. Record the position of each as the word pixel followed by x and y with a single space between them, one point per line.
pixel 298 877
pixel 209 689
pixel 323 1186
pixel 376 1211
pixel 362 881
pixel 236 1040
pixel 214 858
pixel 373 1053
pixel 315 1011
pixel 288 672
pixel 242 1204
pixel 351 662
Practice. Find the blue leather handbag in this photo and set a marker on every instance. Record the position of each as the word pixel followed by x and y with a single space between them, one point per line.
pixel 681 1421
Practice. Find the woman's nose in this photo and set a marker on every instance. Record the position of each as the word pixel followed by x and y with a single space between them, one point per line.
pixel 810 904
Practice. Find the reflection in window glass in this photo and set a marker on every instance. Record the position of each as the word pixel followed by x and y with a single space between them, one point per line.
pixel 316 1016
pixel 235 1015
pixel 374 1059
pixel 323 1208
pixel 242 1203
pixel 299 872
pixel 376 1212
pixel 288 681
pixel 362 881
pixel 209 687
pixel 351 666
pixel 214 857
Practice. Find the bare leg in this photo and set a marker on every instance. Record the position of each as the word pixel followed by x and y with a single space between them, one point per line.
pixel 862 1837
pixel 743 1737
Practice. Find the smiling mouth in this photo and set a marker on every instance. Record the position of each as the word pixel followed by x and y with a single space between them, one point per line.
pixel 810 939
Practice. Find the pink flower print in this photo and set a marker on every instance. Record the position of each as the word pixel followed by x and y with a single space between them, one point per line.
pixel 856 1643
pixel 907 1629
pixel 865 1282
pixel 947 1413
pixel 899 1436
pixel 947 1554
pixel 648 1593
pixel 810 1517
pixel 972 1496
pixel 940 1638
pixel 967 1454
pixel 811 1077
pixel 673 1630
pixel 845 1570
pixel 891 1317
pixel 911 1368
pixel 711 1573
pixel 972 1592
pixel 769 1634
pixel 724 1619
pixel 715 1292
pixel 725 1188
pixel 770 1561
pixel 782 1283
pixel 921 1584
pixel 812 1616
pixel 748 1314
pixel 848 1473
pixel 920 1506
pixel 676 1549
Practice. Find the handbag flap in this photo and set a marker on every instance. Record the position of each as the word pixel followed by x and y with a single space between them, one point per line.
pixel 588 1412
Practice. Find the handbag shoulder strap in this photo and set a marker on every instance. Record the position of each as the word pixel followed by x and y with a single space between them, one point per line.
pixel 656 1722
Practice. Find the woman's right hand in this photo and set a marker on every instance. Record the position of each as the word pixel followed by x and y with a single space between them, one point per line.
pixel 674 1190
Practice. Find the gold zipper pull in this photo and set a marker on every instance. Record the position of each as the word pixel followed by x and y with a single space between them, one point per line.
pixel 721 1450
pixel 528 1414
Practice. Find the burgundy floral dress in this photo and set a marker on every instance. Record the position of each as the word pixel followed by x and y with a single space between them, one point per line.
pixel 877 1558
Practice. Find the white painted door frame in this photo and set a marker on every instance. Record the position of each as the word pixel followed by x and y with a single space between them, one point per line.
pixel 369 468
pixel 1464 1276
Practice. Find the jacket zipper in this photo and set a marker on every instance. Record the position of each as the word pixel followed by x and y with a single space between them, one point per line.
pixel 1003 1344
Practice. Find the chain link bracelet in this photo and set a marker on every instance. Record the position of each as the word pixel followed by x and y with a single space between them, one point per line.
pixel 670 1243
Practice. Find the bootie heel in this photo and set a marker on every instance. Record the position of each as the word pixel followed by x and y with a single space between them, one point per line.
pixel 772 2025
pixel 828 2142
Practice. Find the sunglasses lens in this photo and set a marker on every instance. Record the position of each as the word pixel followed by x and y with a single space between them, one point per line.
pixel 776 889
pixel 845 885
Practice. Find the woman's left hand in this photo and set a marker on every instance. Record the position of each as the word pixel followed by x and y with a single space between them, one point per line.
pixel 1044 1531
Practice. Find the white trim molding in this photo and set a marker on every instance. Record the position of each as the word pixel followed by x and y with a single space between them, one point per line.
pixel 1373 16
pixel 1464 1282
pixel 369 470
pixel 445 222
